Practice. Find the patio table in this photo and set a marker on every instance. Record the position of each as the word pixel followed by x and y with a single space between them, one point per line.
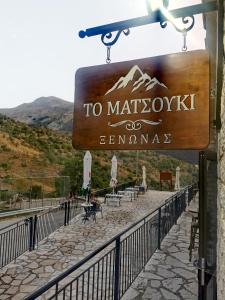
pixel 135 190
pixel 113 199
pixel 141 189
pixel 127 195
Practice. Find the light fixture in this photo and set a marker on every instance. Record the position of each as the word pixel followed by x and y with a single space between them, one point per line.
pixel 161 5
pixel 154 5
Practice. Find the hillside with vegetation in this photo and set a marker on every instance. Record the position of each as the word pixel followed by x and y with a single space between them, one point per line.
pixel 41 154
pixel 57 114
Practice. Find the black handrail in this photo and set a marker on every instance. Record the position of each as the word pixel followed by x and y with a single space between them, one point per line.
pixel 161 223
pixel 11 248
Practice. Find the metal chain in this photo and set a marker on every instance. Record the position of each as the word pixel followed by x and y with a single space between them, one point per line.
pixel 184 48
pixel 108 60
pixel 213 93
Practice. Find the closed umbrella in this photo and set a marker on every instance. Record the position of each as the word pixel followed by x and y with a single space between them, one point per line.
pixel 177 181
pixel 144 184
pixel 113 180
pixel 87 172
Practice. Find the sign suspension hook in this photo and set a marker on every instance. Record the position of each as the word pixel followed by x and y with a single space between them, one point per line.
pixel 184 48
pixel 108 59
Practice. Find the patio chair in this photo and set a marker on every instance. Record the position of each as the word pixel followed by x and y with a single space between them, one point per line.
pixel 96 208
pixel 89 212
pixel 99 209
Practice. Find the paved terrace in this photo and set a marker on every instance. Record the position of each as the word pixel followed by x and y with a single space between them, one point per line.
pixel 70 244
pixel 169 274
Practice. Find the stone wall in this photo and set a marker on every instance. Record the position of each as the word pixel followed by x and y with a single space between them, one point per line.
pixel 221 203
pixel 217 143
pixel 221 198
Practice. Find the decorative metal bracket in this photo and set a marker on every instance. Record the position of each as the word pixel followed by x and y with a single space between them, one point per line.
pixel 188 20
pixel 154 17
pixel 187 15
pixel 109 39
pixel 113 39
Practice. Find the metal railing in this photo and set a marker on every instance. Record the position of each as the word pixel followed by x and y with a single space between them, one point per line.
pixel 13 242
pixel 109 271
pixel 25 235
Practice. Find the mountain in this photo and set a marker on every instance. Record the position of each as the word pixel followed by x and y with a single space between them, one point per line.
pixel 57 114
pixel 190 156
pixel 136 79
pixel 51 112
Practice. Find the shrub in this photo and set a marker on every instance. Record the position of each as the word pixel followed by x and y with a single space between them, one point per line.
pixel 36 191
pixel 4 166
pixel 23 164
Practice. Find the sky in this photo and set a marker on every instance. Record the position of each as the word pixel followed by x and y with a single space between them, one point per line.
pixel 40 49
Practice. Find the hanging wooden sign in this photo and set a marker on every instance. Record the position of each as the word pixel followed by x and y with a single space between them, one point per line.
pixel 153 103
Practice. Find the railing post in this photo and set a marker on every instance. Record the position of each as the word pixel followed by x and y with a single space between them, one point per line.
pixel 65 213
pixel 34 232
pixel 180 205
pixel 117 270
pixel 31 225
pixel 187 196
pixel 176 209
pixel 159 229
pixel 184 201
pixel 68 213
pixel 145 238
pixel 190 193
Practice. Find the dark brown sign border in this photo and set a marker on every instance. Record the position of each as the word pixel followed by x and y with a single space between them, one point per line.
pixel 153 103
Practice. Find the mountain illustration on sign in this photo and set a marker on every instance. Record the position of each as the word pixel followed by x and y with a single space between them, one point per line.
pixel 143 80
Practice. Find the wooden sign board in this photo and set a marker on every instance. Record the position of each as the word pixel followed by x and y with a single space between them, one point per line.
pixel 153 103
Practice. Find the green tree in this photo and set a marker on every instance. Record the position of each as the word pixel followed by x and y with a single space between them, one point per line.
pixel 36 191
pixel 73 167
pixel 62 186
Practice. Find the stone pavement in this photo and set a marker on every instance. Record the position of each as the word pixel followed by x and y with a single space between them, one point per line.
pixel 70 244
pixel 169 274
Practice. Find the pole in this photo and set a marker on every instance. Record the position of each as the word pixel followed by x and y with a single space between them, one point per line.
pixel 65 213
pixel 117 271
pixel 159 228
pixel 31 225
pixel 34 232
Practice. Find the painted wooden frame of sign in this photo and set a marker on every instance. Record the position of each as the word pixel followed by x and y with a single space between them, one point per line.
pixel 153 103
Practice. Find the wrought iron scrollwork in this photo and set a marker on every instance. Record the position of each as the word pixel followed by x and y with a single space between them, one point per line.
pixel 139 21
pixel 188 20
pixel 109 39
pixel 163 24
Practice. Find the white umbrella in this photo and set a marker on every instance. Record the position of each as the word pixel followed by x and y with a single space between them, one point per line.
pixel 144 184
pixel 177 181
pixel 87 170
pixel 113 181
